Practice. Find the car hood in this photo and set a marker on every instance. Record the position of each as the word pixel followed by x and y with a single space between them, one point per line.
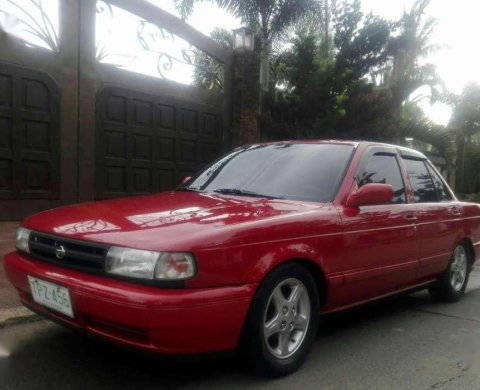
pixel 170 220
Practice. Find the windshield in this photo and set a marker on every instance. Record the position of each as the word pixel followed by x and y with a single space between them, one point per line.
pixel 310 172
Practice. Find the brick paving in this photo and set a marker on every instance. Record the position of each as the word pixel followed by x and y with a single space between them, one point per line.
pixel 8 295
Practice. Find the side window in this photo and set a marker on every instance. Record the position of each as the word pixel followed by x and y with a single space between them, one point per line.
pixel 443 193
pixel 422 183
pixel 383 168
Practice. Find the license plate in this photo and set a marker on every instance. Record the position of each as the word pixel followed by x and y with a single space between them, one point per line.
pixel 51 295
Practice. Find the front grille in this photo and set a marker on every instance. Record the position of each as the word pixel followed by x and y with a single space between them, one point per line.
pixel 67 252
pixel 83 256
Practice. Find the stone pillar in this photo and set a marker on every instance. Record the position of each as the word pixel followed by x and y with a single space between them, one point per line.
pixel 245 97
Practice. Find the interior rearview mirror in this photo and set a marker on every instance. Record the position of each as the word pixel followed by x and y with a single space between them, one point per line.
pixel 185 179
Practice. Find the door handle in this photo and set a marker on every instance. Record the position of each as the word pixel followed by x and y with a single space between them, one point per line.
pixel 456 212
pixel 411 218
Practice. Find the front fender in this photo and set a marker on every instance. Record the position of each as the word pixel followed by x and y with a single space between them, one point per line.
pixel 284 253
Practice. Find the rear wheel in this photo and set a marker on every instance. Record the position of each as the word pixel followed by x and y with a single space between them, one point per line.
pixel 283 320
pixel 453 282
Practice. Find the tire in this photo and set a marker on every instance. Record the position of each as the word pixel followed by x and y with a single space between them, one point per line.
pixel 452 283
pixel 283 321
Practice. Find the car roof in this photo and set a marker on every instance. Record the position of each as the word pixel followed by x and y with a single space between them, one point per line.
pixel 404 151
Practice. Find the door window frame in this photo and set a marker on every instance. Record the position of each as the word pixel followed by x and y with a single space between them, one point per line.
pixel 426 163
pixel 369 152
pixel 431 168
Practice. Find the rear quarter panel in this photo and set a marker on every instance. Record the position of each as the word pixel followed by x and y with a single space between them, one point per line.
pixel 439 232
pixel 471 225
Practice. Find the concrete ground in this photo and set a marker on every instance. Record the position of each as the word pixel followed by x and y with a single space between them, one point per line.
pixel 406 343
pixel 8 297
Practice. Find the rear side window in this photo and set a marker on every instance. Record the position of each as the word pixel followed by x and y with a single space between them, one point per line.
pixel 443 193
pixel 422 183
pixel 383 168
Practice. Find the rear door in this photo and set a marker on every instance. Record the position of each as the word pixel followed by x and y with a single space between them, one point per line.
pixel 439 216
pixel 380 249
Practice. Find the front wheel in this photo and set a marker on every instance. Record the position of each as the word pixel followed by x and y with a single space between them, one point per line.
pixel 453 282
pixel 283 320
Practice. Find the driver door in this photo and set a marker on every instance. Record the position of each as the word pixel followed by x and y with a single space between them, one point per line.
pixel 381 248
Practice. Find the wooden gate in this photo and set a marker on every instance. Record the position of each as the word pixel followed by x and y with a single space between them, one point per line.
pixel 77 126
pixel 164 139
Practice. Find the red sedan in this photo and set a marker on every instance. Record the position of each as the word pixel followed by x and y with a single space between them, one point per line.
pixel 250 251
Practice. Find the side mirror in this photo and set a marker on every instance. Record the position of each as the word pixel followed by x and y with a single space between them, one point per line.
pixel 370 194
pixel 185 179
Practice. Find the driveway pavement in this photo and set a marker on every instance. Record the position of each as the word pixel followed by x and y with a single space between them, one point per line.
pixel 8 296
pixel 11 310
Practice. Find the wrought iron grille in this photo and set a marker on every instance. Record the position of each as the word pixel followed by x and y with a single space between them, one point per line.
pixel 35 22
pixel 150 49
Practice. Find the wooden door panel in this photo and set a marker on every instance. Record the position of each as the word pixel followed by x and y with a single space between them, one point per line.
pixel 147 143
pixel 29 134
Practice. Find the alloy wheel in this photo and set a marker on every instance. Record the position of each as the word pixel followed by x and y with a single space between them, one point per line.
pixel 286 318
pixel 458 269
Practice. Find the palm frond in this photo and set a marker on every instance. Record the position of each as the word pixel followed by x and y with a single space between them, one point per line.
pixel 287 12
pixel 222 36
pixel 184 8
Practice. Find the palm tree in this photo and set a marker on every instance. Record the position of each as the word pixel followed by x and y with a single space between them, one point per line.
pixel 407 73
pixel 416 125
pixel 269 18
pixel 465 123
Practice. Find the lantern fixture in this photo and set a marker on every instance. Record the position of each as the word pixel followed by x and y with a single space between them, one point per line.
pixel 243 38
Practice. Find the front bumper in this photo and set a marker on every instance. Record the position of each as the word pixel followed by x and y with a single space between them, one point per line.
pixel 167 321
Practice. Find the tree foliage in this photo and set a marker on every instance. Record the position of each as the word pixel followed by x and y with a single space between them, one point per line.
pixel 208 72
pixel 361 87
pixel 359 49
pixel 329 95
pixel 270 19
pixel 466 111
pixel 465 125
pixel 338 73
pixel 407 71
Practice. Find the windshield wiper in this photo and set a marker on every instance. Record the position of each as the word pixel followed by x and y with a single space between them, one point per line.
pixel 235 191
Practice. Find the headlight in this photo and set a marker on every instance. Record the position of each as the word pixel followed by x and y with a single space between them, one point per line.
pixel 143 264
pixel 22 237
